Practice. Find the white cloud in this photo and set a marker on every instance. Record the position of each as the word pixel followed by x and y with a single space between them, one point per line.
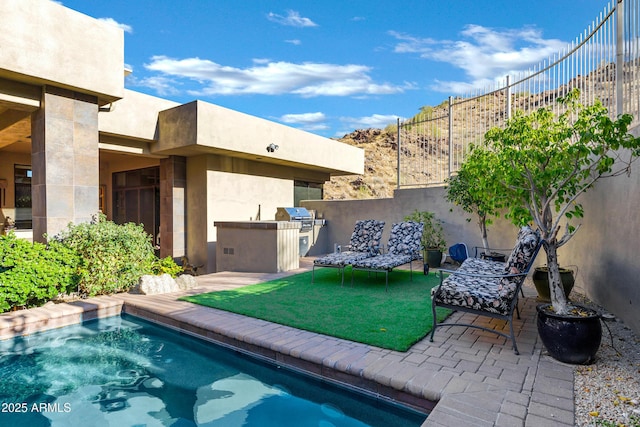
pixel 307 121
pixel 295 42
pixel 307 79
pixel 379 121
pixel 124 27
pixel 293 19
pixel 162 85
pixel 304 118
pixel 484 54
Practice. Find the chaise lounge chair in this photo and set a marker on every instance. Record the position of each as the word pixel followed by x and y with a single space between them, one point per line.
pixel 364 243
pixel 488 288
pixel 403 247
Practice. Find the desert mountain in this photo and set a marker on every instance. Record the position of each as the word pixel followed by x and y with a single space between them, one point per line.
pixel 379 178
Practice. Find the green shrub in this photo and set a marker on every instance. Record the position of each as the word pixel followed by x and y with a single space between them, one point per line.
pixel 113 257
pixel 166 265
pixel 32 274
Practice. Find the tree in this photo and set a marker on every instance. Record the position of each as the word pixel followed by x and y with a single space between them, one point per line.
pixel 475 189
pixel 546 161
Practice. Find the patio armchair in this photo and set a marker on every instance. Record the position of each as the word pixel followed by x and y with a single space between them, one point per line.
pixel 403 247
pixel 495 259
pixel 364 243
pixel 488 288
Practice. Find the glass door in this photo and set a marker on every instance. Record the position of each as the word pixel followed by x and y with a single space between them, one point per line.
pixel 136 198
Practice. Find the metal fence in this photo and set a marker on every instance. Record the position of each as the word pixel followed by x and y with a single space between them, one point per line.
pixel 603 63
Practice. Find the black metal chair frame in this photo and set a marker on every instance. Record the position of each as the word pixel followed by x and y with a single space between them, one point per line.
pixel 508 317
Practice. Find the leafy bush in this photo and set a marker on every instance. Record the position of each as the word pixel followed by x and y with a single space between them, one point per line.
pixel 32 274
pixel 113 257
pixel 166 265
pixel 475 189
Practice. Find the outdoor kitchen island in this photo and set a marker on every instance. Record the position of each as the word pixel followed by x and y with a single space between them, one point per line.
pixel 258 246
pixel 267 246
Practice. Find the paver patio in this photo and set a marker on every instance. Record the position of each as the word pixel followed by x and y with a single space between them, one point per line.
pixel 472 375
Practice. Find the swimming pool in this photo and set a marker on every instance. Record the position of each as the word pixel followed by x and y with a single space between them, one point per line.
pixel 124 371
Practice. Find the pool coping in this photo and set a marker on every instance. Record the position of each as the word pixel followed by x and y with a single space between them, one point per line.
pixel 256 339
pixel 52 315
pixel 465 377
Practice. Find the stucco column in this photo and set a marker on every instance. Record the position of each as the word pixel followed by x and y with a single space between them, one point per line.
pixel 65 163
pixel 200 238
pixel 173 182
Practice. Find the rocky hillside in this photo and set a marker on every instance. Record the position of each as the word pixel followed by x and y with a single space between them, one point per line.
pixel 379 178
pixel 428 148
pixel 381 156
pixel 380 165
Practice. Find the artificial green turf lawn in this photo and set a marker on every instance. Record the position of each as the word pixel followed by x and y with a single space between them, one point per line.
pixel 363 313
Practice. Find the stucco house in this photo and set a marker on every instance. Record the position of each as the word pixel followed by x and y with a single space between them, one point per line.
pixel 74 141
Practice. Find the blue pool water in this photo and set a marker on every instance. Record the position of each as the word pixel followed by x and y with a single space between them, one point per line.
pixel 124 371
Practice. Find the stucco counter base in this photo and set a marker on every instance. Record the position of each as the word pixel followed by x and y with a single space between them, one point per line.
pixel 257 246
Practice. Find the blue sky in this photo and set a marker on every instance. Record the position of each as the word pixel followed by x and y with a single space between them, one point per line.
pixel 332 66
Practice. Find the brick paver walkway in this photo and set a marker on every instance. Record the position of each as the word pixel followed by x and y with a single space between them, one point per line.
pixel 466 377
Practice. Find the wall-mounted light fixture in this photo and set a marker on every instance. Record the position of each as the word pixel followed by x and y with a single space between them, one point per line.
pixel 272 147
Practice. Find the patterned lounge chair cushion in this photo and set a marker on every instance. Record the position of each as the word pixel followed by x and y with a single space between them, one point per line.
pixel 482 266
pixel 521 255
pixel 405 238
pixel 383 262
pixel 404 247
pixel 523 250
pixel 477 293
pixel 484 293
pixel 364 243
pixel 366 236
pixel 341 259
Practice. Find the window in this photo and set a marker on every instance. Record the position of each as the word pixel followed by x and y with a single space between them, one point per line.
pixel 303 190
pixel 136 198
pixel 22 181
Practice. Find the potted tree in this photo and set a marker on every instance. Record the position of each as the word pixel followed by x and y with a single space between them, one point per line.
pixel 545 162
pixel 540 279
pixel 433 242
pixel 477 192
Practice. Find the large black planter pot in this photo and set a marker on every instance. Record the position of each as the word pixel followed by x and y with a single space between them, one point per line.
pixel 571 339
pixel 433 257
pixel 540 278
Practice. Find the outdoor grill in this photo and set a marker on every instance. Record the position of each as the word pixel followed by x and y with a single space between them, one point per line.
pixel 304 217
pixel 301 215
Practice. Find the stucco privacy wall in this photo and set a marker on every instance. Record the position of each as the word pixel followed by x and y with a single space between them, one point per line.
pixel 341 216
pixel 605 249
pixel 222 189
pixel 61 36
